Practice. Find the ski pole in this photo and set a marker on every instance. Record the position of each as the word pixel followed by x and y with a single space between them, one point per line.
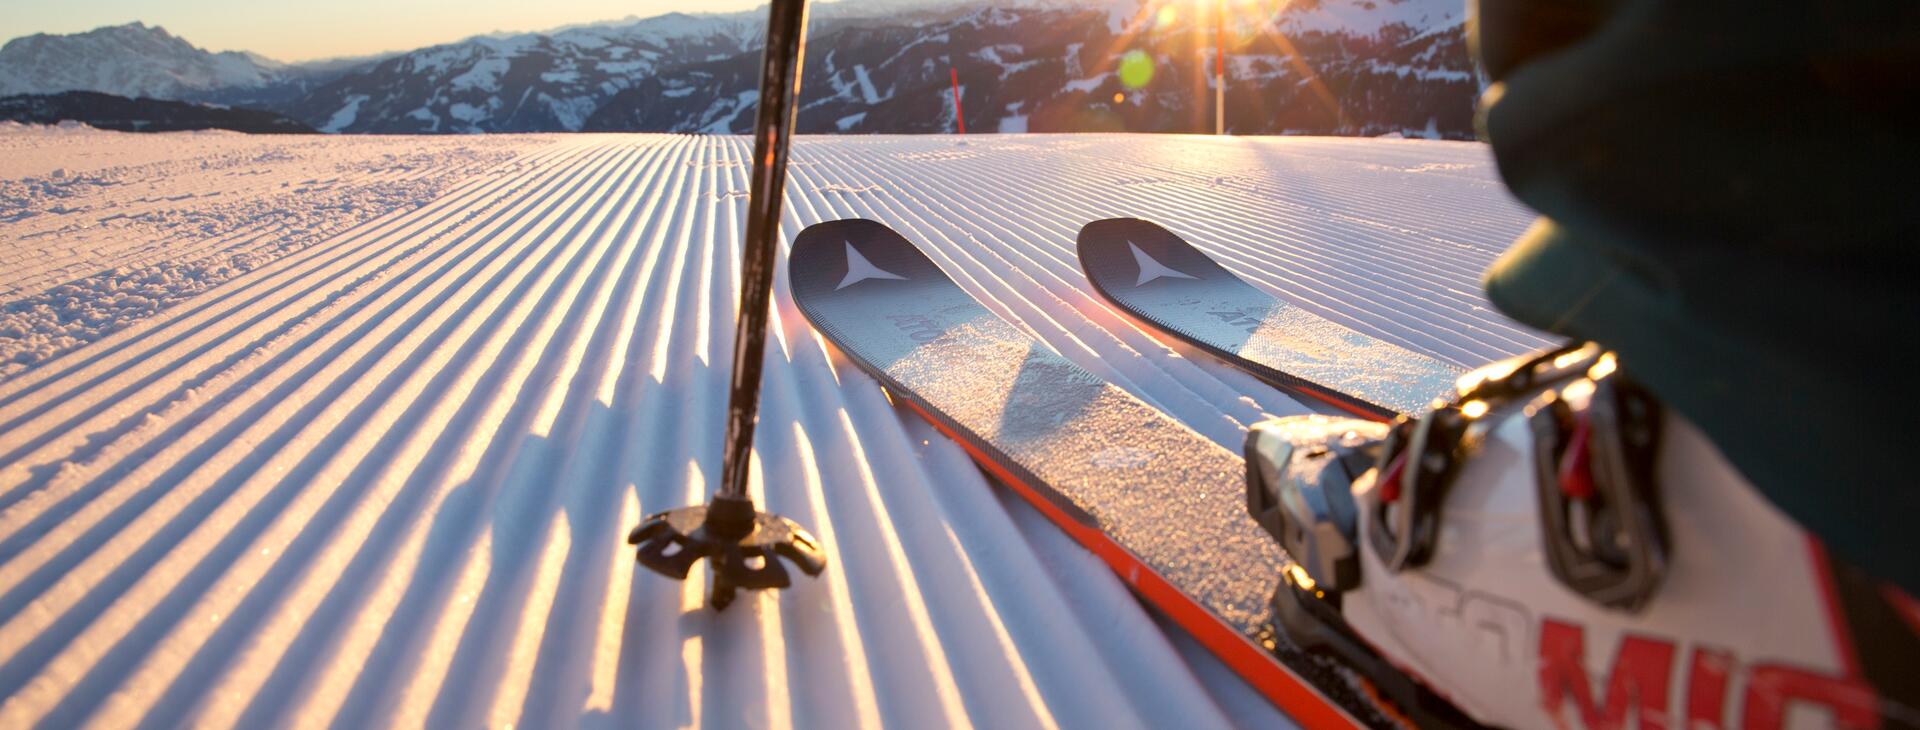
pixel 741 543
pixel 772 132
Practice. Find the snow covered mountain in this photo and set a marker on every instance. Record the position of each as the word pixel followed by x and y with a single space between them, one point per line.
pixel 132 60
pixel 1310 66
pixel 521 83
pixel 1332 67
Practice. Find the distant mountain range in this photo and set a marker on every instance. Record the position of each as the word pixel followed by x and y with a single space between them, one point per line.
pixel 1356 67
pixel 523 83
pixel 136 60
pixel 108 111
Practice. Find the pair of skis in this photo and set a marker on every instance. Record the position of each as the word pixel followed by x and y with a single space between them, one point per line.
pixel 1160 504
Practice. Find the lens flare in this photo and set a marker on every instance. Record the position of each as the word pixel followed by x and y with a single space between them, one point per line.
pixel 1166 17
pixel 1474 408
pixel 1136 69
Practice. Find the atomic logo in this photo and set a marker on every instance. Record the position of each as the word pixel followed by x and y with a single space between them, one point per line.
pixel 859 269
pixel 1151 269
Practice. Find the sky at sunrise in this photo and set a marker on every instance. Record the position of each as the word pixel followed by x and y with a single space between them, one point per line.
pixel 305 30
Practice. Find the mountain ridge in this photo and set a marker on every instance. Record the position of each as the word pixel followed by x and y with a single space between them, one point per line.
pixel 98 60
pixel 1352 67
pixel 119 113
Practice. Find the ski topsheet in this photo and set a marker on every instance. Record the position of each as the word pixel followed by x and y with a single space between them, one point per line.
pixel 1155 276
pixel 1160 504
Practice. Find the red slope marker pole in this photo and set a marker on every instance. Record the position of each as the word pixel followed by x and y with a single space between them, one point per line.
pixel 957 116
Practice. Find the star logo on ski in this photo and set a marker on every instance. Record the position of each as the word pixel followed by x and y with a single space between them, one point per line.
pixel 859 269
pixel 1151 269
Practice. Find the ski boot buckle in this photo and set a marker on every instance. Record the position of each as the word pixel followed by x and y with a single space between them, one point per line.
pixel 1420 457
pixel 1601 524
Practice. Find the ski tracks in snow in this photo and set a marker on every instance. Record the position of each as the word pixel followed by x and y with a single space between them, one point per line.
pixel 384 478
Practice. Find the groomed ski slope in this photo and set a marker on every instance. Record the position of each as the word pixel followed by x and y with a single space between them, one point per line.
pixel 99 230
pixel 384 479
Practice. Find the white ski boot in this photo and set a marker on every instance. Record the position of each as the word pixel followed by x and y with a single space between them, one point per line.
pixel 1552 549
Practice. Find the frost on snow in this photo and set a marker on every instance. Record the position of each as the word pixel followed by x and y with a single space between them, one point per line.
pixel 87 252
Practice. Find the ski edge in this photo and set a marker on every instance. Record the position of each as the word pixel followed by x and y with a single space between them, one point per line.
pixel 1266 674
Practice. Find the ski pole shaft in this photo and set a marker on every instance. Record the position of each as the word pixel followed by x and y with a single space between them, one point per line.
pixel 772 132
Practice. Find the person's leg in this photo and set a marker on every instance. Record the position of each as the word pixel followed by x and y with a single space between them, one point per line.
pixel 1729 205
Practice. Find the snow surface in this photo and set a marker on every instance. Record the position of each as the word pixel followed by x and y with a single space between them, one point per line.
pixel 1369 17
pixel 1015 124
pixel 99 230
pixel 345 117
pixel 867 93
pixel 383 479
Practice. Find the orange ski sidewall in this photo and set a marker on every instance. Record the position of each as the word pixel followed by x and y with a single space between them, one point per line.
pixel 1247 659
